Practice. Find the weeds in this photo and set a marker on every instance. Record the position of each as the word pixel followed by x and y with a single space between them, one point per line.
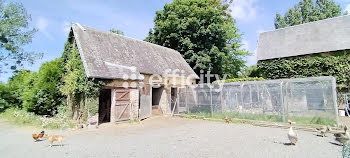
pixel 262 117
pixel 21 117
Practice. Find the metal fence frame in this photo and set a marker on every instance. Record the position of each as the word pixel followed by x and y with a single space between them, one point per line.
pixel 284 88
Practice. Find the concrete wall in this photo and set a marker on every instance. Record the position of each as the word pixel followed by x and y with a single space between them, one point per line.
pixel 316 37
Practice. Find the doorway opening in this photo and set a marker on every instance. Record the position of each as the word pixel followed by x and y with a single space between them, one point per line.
pixel 104 107
pixel 156 100
pixel 173 100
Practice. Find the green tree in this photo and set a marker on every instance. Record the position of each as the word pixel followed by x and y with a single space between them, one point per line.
pixel 6 97
pixel 116 31
pixel 251 71
pixel 43 95
pixel 21 80
pixel 14 34
pixel 203 32
pixel 308 11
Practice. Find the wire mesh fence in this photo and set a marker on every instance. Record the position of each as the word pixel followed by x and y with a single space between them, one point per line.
pixel 304 100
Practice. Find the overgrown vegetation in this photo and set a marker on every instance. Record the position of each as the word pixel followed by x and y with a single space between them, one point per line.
pixel 76 86
pixel 22 117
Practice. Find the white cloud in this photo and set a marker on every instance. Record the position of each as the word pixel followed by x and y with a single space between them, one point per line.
pixel 245 45
pixel 42 24
pixel 260 31
pixel 66 27
pixel 347 8
pixel 245 10
pixel 252 60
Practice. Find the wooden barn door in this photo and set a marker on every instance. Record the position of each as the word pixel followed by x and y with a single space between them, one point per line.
pixel 122 104
pixel 145 102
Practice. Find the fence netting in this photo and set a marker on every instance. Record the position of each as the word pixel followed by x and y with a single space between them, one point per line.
pixel 303 100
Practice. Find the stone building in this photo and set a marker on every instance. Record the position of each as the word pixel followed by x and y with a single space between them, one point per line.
pixel 145 77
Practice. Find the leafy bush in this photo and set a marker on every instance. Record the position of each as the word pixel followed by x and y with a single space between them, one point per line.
pixel 43 96
pixel 239 80
pixel 251 71
pixel 21 81
pixel 6 97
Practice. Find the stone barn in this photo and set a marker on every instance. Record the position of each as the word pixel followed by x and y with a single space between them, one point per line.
pixel 145 78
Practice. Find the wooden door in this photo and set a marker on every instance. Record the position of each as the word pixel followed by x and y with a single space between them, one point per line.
pixel 145 102
pixel 122 104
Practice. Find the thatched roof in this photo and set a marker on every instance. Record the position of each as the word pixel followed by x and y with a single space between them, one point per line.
pixel 111 56
pixel 315 37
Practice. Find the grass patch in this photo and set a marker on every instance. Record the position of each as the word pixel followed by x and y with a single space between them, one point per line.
pixel 23 118
pixel 261 117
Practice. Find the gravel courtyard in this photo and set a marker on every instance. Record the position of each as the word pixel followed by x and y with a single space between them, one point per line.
pixel 168 137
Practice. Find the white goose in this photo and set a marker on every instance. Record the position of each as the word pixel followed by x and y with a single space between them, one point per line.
pixel 292 136
pixel 342 137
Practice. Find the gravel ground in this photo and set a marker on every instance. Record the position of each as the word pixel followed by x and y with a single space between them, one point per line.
pixel 168 137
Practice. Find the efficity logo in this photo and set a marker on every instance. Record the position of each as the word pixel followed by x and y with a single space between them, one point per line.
pixel 172 78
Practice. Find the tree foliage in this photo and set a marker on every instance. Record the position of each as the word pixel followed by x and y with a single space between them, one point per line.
pixel 14 34
pixel 36 92
pixel 251 71
pixel 42 96
pixel 308 11
pixel 203 32
pixel 6 97
pixel 18 83
pixel 116 31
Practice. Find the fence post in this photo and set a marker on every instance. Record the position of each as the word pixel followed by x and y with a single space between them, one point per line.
pixel 259 105
pixel 334 89
pixel 221 103
pixel 187 108
pixel 242 100
pixel 286 103
pixel 211 102
pixel 251 97
pixel 282 103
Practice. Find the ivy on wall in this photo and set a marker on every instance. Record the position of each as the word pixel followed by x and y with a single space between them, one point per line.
pixel 336 64
pixel 82 92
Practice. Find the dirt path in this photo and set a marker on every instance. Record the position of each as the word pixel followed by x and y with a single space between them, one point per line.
pixel 168 137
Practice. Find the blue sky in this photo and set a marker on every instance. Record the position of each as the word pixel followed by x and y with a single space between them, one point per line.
pixel 134 18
